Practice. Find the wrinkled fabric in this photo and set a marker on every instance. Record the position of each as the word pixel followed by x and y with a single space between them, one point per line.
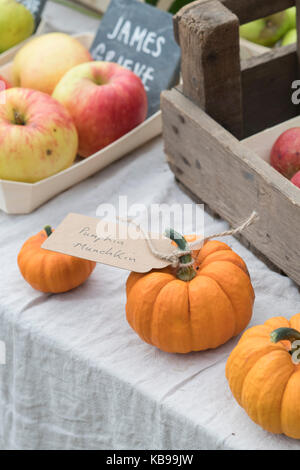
pixel 78 377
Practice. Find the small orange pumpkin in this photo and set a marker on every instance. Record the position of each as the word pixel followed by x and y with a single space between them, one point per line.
pixel 49 271
pixel 196 308
pixel 264 375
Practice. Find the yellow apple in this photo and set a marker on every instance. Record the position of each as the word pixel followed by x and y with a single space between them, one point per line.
pixel 37 136
pixel 16 24
pixel 42 62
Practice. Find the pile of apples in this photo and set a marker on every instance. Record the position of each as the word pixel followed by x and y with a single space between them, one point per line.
pixel 285 155
pixel 62 104
pixel 278 29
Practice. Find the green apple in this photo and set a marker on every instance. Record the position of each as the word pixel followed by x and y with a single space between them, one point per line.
pixel 292 14
pixel 16 24
pixel 267 31
pixel 290 37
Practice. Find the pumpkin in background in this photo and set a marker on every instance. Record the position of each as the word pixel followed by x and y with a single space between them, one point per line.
pixel 264 375
pixel 196 307
pixel 49 271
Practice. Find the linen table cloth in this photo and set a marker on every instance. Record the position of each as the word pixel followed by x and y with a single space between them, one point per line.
pixel 78 377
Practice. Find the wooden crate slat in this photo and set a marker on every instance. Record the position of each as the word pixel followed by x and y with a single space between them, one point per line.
pixel 249 10
pixel 267 92
pixel 233 180
pixel 208 34
pixel 297 3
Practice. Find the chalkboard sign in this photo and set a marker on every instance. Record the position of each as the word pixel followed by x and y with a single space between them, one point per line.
pixel 140 37
pixel 36 7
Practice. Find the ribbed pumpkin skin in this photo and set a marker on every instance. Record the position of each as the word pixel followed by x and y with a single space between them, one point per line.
pixel 180 317
pixel 48 271
pixel 264 380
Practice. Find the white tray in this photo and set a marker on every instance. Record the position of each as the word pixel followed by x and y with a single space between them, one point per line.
pixel 23 198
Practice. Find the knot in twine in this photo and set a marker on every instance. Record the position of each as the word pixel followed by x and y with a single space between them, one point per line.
pixel 174 257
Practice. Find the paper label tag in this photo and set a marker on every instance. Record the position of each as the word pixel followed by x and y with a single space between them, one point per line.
pixel 108 243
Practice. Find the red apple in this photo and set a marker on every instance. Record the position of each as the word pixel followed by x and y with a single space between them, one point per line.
pixel 105 101
pixel 285 154
pixel 296 179
pixel 37 136
pixel 4 84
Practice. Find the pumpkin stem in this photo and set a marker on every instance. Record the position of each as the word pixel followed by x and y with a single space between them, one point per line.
pixel 184 273
pixel 286 334
pixel 48 230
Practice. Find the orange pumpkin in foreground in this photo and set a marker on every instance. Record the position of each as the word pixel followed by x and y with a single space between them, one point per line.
pixel 196 308
pixel 264 375
pixel 49 271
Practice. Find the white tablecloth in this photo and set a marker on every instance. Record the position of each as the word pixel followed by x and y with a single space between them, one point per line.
pixel 78 377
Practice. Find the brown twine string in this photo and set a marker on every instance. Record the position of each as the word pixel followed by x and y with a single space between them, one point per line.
pixel 174 257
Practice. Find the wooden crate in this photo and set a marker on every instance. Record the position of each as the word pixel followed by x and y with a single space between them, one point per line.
pixel 214 124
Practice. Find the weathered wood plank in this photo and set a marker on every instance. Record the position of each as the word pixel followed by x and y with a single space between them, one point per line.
pixel 249 10
pixel 233 180
pixel 208 34
pixel 297 2
pixel 267 92
pixel 239 236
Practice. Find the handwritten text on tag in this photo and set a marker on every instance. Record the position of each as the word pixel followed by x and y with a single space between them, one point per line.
pixel 107 243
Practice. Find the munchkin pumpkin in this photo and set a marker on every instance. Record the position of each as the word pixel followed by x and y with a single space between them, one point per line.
pixel 193 308
pixel 263 372
pixel 49 271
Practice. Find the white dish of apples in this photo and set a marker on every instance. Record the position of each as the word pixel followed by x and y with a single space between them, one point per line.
pixel 51 137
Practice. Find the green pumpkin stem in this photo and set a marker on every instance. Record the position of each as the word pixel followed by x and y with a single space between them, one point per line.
pixel 48 230
pixel 184 273
pixel 286 334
